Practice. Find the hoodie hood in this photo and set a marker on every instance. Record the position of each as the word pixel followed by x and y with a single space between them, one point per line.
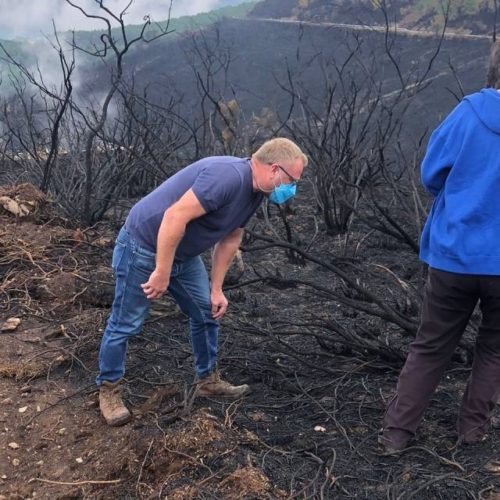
pixel 486 105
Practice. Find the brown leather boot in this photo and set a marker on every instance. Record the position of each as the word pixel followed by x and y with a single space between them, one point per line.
pixel 110 402
pixel 213 385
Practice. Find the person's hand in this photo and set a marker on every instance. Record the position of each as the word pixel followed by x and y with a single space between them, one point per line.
pixel 156 285
pixel 219 304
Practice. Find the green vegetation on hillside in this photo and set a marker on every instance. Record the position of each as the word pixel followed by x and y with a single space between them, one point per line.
pixel 177 25
pixel 22 50
pixel 15 48
pixel 472 15
pixel 18 50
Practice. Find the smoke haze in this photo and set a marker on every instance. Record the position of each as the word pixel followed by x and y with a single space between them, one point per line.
pixel 33 18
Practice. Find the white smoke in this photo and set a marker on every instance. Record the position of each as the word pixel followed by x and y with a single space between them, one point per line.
pixel 33 18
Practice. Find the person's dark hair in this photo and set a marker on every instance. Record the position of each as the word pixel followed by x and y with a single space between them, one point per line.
pixel 493 77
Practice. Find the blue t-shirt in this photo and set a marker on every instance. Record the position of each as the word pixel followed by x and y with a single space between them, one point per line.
pixel 223 186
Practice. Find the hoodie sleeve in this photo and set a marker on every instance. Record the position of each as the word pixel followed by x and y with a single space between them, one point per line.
pixel 442 150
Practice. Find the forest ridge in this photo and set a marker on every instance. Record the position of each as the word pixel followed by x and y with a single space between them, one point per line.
pixel 467 16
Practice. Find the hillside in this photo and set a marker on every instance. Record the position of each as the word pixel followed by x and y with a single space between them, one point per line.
pixel 251 60
pixel 465 16
pixel 255 73
pixel 168 66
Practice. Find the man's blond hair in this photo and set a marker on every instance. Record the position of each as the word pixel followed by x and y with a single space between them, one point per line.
pixel 279 150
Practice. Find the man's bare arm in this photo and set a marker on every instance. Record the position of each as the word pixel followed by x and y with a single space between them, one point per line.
pixel 222 256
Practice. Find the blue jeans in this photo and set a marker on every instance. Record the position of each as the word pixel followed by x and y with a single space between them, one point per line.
pixel 189 285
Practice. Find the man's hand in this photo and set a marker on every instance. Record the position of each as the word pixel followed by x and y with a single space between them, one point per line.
pixel 156 285
pixel 219 304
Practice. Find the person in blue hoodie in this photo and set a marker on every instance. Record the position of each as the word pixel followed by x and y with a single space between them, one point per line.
pixel 461 244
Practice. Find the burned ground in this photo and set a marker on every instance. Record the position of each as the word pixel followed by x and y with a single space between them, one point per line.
pixel 308 429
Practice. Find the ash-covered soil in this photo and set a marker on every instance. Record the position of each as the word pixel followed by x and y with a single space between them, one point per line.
pixel 308 429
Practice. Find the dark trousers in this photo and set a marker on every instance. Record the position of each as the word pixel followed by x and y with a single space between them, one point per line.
pixel 449 301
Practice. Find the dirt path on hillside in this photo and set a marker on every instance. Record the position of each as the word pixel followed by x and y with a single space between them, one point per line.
pixel 394 29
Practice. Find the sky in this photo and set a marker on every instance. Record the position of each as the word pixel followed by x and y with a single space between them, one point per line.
pixel 33 18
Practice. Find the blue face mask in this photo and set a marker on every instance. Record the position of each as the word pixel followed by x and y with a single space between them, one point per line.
pixel 282 193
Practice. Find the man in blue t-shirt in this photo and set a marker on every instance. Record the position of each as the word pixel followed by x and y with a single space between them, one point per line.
pixel 461 244
pixel 205 205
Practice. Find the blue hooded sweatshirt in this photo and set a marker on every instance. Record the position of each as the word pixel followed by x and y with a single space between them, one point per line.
pixel 462 170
